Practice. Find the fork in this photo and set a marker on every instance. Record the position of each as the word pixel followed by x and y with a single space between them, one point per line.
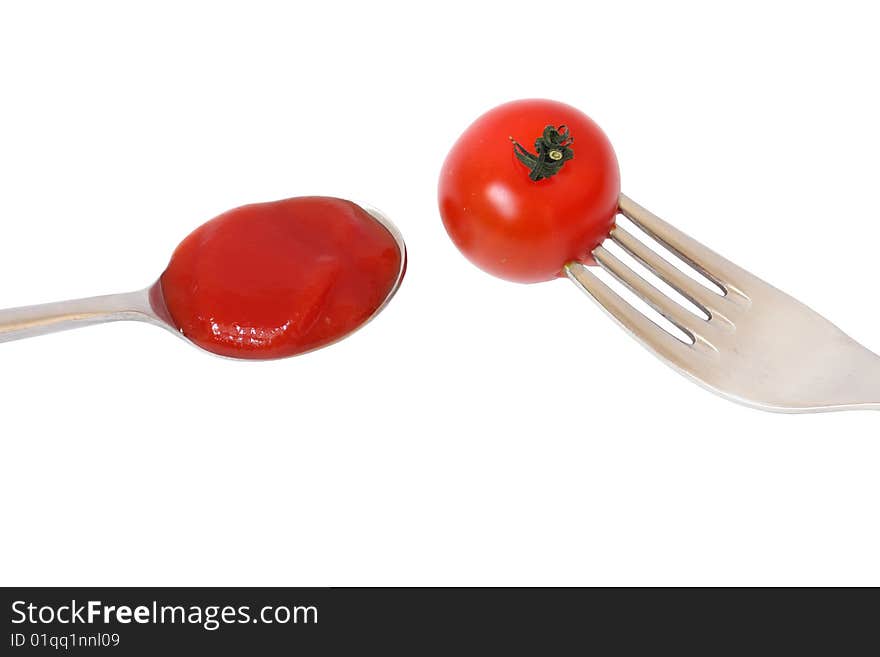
pixel 758 347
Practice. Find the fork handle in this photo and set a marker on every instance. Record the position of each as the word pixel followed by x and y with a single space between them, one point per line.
pixel 29 321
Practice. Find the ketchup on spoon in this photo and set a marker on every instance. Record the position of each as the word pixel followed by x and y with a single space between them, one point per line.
pixel 273 280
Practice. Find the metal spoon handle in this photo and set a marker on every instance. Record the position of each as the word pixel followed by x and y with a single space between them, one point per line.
pixel 28 321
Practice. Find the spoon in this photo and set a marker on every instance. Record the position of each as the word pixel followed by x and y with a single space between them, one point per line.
pixel 262 281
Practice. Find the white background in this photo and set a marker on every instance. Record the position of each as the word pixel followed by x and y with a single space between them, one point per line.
pixel 478 432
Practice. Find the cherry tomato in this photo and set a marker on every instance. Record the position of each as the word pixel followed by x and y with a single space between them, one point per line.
pixel 530 186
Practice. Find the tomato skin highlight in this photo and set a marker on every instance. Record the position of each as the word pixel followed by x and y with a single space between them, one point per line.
pixel 520 229
pixel 272 280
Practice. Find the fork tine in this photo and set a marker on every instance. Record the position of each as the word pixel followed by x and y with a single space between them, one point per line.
pixel 647 332
pixel 710 302
pixel 717 269
pixel 667 307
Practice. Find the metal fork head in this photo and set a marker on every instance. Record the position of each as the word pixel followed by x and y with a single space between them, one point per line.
pixel 759 346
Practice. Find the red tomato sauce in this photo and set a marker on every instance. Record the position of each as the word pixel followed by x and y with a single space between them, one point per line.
pixel 272 280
